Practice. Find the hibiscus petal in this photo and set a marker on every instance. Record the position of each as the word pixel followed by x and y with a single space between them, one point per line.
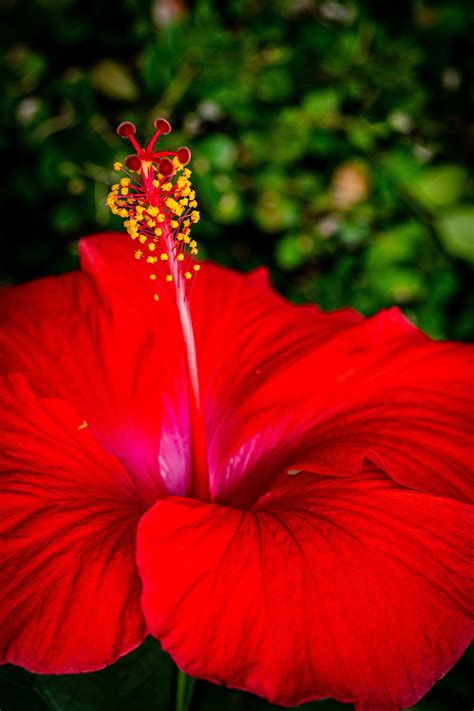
pixel 354 588
pixel 76 338
pixel 380 390
pixel 247 335
pixel 69 598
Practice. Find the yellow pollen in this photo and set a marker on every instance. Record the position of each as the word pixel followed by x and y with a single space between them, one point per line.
pixel 83 425
pixel 158 212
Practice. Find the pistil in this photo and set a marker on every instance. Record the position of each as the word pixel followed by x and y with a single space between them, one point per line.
pixel 157 202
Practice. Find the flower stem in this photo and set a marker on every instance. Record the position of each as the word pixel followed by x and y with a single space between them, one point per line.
pixel 184 691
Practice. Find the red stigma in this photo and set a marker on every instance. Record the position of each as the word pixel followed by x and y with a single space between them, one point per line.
pixel 184 155
pixel 126 129
pixel 166 167
pixel 162 125
pixel 133 162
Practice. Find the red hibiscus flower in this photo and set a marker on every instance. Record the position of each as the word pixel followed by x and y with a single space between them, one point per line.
pixel 279 495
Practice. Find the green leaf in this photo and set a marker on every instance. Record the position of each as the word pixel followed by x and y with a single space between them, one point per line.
pixel 456 230
pixel 438 186
pixel 114 80
pixel 288 254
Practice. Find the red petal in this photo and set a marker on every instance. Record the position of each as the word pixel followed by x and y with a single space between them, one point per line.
pixel 351 588
pixel 380 390
pixel 95 339
pixel 69 594
pixel 246 336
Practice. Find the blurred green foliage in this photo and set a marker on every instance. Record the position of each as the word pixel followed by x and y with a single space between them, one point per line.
pixel 331 140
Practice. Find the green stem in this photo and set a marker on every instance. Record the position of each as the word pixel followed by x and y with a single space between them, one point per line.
pixel 184 691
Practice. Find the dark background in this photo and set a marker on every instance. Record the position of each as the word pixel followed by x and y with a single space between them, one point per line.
pixel 331 141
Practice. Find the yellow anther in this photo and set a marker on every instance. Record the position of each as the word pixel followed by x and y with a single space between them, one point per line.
pixel 158 217
pixel 83 425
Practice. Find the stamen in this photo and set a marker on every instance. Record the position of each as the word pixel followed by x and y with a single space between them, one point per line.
pixel 157 203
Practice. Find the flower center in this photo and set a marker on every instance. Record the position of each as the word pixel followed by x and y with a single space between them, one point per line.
pixel 158 204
